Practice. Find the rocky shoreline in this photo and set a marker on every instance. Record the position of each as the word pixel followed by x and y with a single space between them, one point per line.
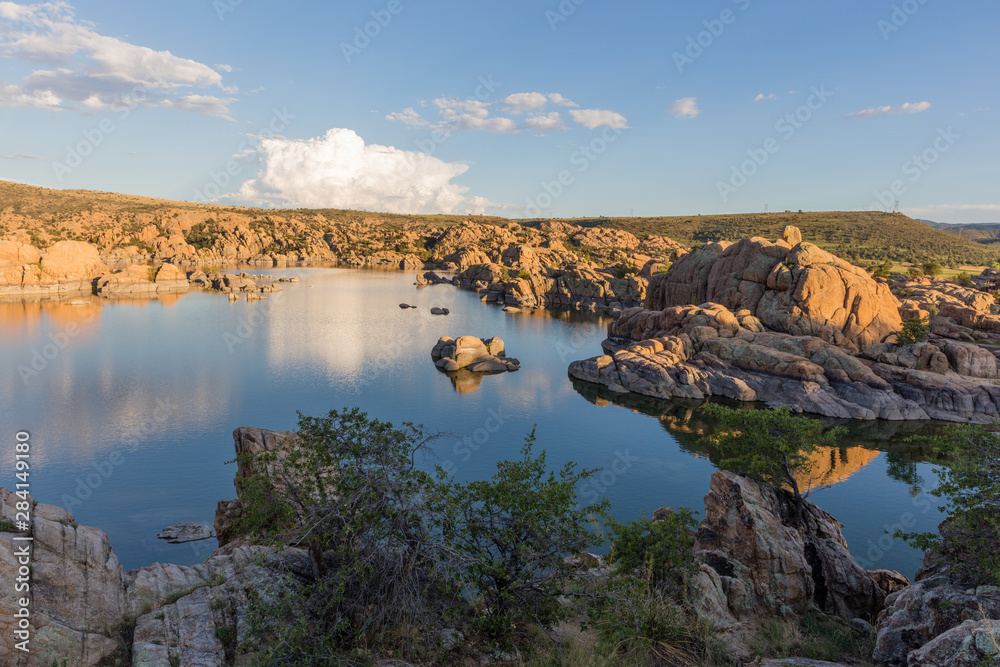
pixel 789 324
pixel 753 562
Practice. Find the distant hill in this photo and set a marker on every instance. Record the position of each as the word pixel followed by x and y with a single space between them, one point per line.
pixel 985 233
pixel 857 236
pixel 47 215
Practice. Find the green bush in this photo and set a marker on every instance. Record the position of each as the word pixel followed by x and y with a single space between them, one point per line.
pixel 659 550
pixel 969 483
pixel 524 274
pixel 513 531
pixel 932 268
pixel 915 330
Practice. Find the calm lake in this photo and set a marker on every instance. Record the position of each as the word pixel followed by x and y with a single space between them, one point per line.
pixel 131 406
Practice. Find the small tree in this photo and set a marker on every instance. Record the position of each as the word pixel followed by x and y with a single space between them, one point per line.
pixel 932 268
pixel 883 270
pixel 915 330
pixel 772 446
pixel 514 530
pixel 970 486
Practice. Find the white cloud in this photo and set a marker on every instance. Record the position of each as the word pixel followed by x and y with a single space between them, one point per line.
pixel 338 170
pixel 686 107
pixel 562 101
pixel 20 156
pixel 407 116
pixel 761 96
pixel 522 102
pixel 594 118
pixel 909 107
pixel 475 114
pixel 545 122
pixel 82 69
pixel 224 68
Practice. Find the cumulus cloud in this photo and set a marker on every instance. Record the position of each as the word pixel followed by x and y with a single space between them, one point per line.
pixel 594 118
pixel 522 102
pixel 562 101
pixel 338 170
pixel 908 107
pixel 84 70
pixel 686 107
pixel 545 122
pixel 407 116
pixel 761 96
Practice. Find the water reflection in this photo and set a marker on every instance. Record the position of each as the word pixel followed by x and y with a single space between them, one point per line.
pixel 903 443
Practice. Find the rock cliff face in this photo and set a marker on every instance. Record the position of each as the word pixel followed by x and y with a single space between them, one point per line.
pixel 788 342
pixel 758 562
pixel 939 621
pixel 796 289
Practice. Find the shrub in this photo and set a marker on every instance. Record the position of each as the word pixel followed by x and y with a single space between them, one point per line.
pixel 969 483
pixel 914 272
pixel 932 268
pixel 513 531
pixel 524 274
pixel 915 330
pixel 660 550
pixel 964 279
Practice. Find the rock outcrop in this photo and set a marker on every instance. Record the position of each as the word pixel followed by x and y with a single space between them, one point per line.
pixel 66 267
pixel 939 620
pixel 477 355
pixel 757 562
pixel 787 342
pixel 797 289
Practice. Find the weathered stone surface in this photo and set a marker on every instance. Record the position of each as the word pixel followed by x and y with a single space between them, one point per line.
pixel 185 532
pixel 796 289
pixel 768 565
pixel 932 606
pixel 974 643
pixel 476 355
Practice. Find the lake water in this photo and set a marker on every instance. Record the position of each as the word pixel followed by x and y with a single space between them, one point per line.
pixel 131 406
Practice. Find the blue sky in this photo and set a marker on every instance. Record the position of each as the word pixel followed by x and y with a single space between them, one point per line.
pixel 563 109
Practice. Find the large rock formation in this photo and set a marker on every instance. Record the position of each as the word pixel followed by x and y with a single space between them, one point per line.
pixel 66 267
pixel 797 289
pixel 758 562
pixel 787 342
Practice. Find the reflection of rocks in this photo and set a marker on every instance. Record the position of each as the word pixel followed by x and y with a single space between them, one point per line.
pixel 478 355
pixel 465 382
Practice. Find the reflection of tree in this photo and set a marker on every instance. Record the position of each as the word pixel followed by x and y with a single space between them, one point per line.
pixel 903 441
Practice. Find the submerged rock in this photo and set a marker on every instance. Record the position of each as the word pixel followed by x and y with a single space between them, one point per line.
pixel 185 532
